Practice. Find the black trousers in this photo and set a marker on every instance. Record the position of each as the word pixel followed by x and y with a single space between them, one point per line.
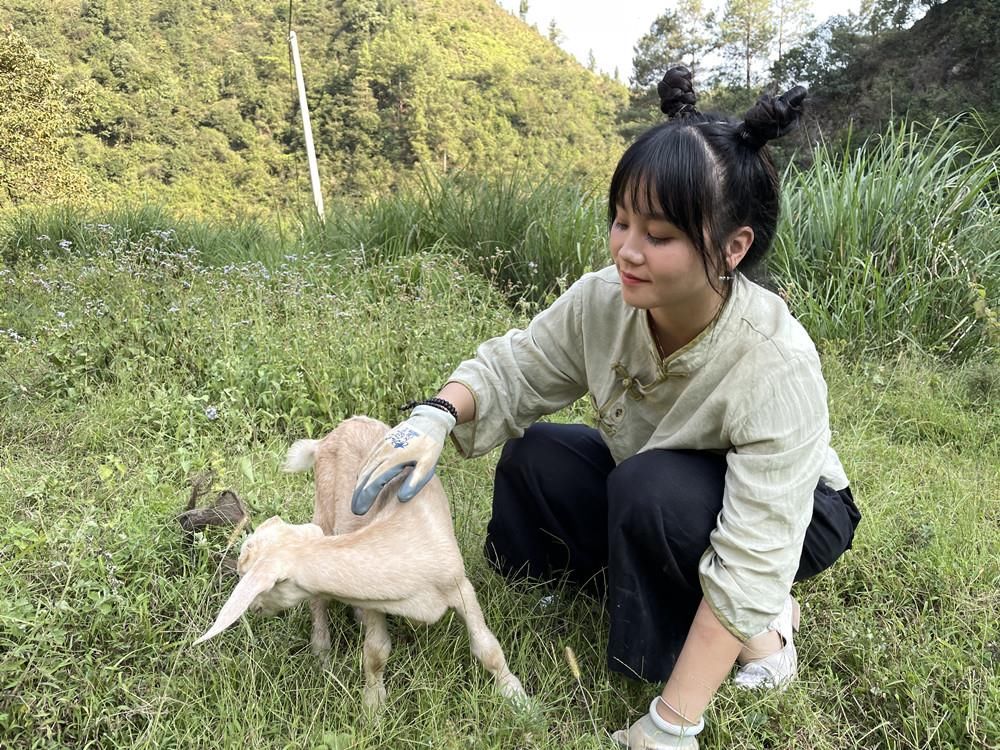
pixel 633 532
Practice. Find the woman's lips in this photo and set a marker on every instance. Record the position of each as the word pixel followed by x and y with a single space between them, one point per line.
pixel 629 279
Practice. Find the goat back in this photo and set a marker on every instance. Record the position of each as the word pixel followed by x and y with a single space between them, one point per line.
pixel 339 458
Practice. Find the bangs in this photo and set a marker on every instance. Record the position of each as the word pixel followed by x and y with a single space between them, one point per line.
pixel 668 173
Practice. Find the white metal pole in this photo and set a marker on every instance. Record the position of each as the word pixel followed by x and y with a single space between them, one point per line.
pixel 307 127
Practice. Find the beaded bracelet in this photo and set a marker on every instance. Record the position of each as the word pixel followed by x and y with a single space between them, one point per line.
pixel 437 403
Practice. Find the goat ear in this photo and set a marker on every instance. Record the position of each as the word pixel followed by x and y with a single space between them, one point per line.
pixel 272 521
pixel 260 578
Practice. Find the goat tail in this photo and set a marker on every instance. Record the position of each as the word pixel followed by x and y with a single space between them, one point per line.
pixel 301 456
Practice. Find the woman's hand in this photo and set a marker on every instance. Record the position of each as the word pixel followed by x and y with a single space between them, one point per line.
pixel 415 442
pixel 651 732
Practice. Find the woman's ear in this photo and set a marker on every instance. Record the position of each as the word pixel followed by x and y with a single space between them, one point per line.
pixel 736 247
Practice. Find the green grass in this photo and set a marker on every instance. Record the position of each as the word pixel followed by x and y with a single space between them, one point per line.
pixel 529 236
pixel 891 244
pixel 129 366
pixel 894 244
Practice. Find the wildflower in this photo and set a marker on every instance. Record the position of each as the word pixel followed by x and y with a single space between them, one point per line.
pixel 64 244
pixel 173 309
pixel 211 412
pixel 43 238
pixel 60 314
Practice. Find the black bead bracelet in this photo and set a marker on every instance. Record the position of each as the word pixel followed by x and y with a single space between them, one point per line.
pixel 437 403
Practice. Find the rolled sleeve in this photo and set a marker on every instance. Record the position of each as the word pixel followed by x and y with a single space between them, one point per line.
pixel 523 375
pixel 779 450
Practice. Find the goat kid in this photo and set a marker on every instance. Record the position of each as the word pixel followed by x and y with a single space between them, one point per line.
pixel 398 559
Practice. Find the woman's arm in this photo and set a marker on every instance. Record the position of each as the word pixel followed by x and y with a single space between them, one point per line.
pixel 704 662
pixel 462 399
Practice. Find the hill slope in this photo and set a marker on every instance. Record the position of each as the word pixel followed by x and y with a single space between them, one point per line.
pixel 193 103
pixel 946 63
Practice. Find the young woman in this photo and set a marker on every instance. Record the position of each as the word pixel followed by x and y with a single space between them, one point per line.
pixel 709 485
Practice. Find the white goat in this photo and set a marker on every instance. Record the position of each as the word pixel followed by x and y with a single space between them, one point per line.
pixel 398 559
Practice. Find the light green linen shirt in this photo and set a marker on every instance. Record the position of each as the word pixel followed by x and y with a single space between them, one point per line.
pixel 748 386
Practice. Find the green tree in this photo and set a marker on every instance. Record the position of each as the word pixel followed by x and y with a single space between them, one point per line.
pixel 793 21
pixel 554 33
pixel 884 15
pixel 37 118
pixel 748 32
pixel 820 55
pixel 685 35
pixel 522 10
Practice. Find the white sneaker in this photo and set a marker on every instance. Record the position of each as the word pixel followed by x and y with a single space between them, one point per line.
pixel 776 671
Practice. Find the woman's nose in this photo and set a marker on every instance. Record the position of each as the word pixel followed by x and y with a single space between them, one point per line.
pixel 630 254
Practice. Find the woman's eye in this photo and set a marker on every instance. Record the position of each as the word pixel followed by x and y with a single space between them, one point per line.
pixel 657 240
pixel 619 225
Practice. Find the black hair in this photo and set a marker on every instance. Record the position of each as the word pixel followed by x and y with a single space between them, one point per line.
pixel 706 173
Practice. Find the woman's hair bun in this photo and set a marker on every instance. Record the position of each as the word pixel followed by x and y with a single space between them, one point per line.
pixel 676 92
pixel 772 117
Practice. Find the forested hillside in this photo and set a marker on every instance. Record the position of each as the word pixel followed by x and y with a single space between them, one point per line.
pixel 193 103
pixel 863 77
pixel 894 59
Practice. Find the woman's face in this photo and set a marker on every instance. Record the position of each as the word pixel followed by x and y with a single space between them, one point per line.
pixel 660 268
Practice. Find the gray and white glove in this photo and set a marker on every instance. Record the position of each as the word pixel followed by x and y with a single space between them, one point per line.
pixel 417 442
pixel 651 732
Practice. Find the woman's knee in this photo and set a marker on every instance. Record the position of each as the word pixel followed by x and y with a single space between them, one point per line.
pixel 532 448
pixel 680 489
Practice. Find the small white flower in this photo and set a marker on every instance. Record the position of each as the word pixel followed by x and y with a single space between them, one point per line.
pixel 64 244
pixel 211 412
pixel 43 238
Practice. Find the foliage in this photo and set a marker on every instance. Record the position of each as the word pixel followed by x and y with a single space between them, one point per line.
pixel 529 236
pixel 687 34
pixel 893 243
pixel 939 67
pixel 37 115
pixel 748 32
pixel 194 104
pixel 880 15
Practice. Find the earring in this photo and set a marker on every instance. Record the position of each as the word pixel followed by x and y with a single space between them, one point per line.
pixel 727 277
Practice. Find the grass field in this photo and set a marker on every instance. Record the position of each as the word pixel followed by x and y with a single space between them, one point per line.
pixel 139 355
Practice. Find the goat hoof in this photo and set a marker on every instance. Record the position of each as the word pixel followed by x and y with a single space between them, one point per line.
pixel 322 660
pixel 374 698
pixel 512 689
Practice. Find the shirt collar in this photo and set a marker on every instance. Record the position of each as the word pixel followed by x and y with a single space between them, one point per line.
pixel 696 352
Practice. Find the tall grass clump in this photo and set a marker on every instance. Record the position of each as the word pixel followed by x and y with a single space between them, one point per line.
pixel 528 236
pixel 895 243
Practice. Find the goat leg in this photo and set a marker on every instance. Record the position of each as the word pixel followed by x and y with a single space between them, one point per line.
pixel 320 641
pixel 375 654
pixel 483 643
